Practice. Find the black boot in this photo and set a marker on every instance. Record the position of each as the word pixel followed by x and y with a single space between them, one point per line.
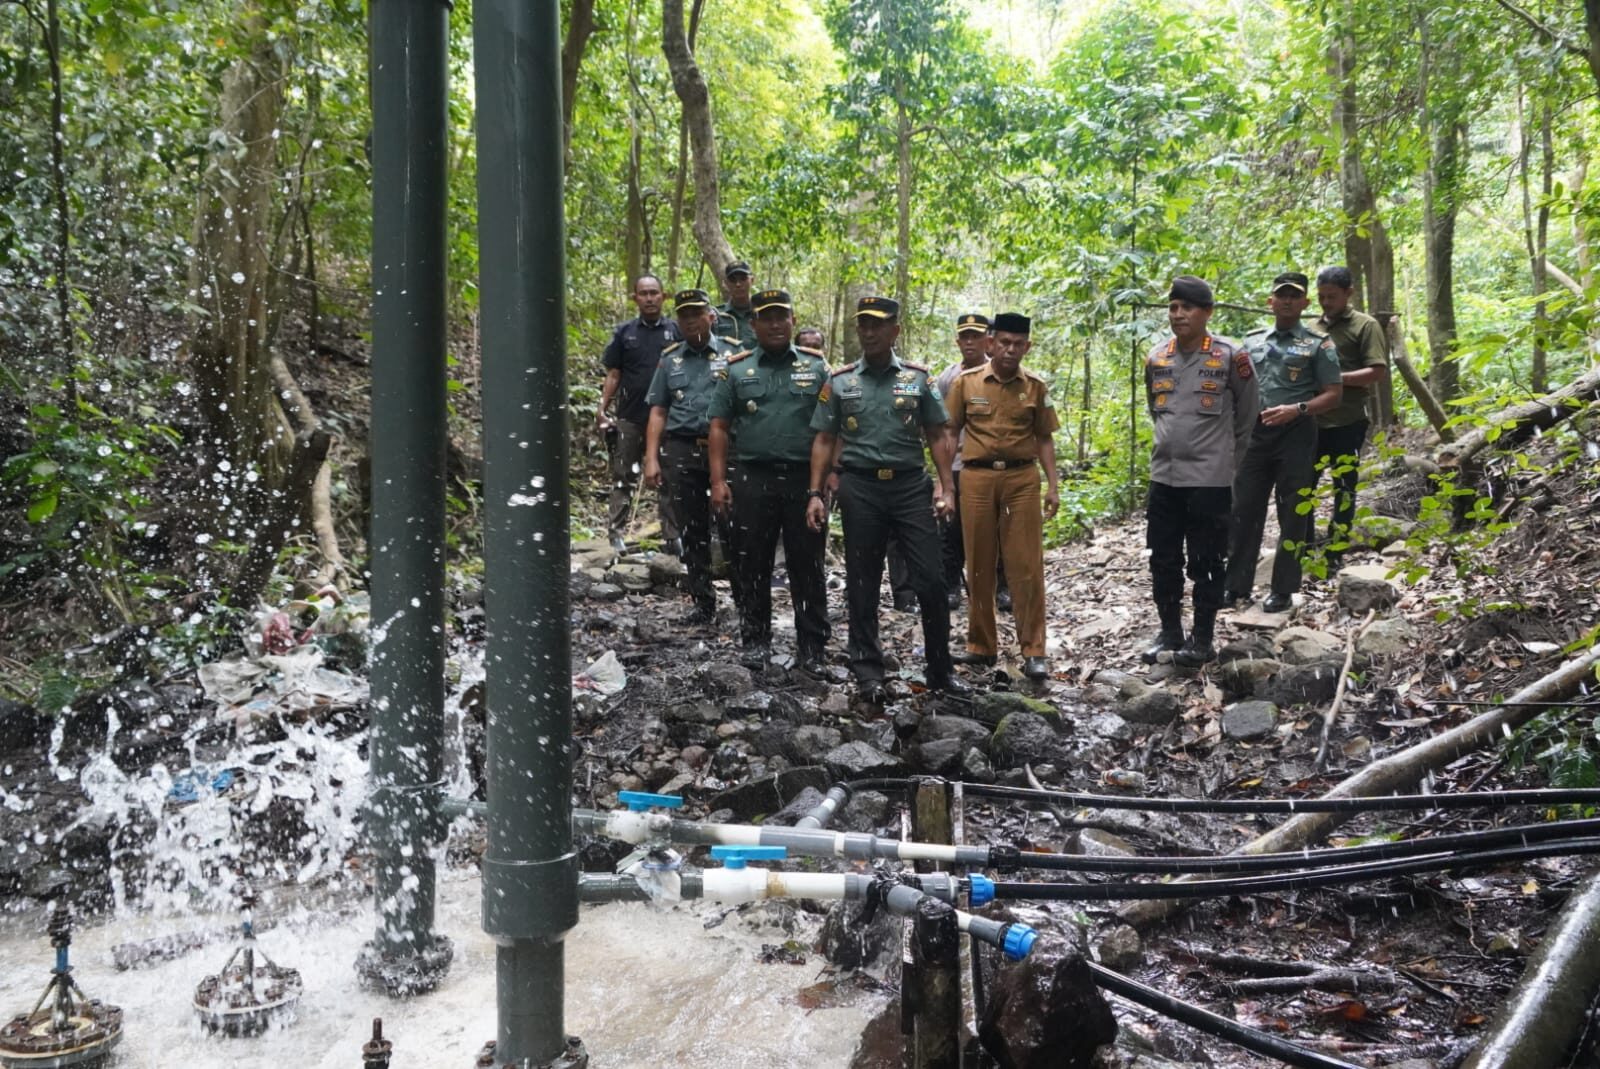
pixel 1170 637
pixel 1198 650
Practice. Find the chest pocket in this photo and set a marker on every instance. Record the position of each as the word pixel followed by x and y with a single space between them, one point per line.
pixel 678 379
pixel 748 387
pixel 1209 393
pixel 851 401
pixel 979 408
pixel 1161 391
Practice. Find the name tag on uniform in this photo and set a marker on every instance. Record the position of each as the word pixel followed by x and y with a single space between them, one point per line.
pixel 978 402
pixel 907 389
pixel 804 378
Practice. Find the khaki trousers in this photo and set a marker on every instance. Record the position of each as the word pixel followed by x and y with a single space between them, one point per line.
pixel 1001 518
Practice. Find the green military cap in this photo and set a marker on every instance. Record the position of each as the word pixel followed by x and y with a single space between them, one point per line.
pixel 878 307
pixel 972 321
pixel 691 299
pixel 738 267
pixel 1291 280
pixel 771 299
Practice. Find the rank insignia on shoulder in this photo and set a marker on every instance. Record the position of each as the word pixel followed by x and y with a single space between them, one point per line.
pixel 674 347
pixel 736 357
pixel 1241 364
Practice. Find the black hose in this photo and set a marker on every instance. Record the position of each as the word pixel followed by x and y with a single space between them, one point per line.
pixel 1589 796
pixel 1294 881
pixel 1306 859
pixel 1213 1024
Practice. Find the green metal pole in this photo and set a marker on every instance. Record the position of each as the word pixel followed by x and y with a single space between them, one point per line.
pixel 530 870
pixel 410 53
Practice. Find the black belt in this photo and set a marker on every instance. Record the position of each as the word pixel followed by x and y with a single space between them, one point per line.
pixel 998 463
pixel 697 439
pixel 885 474
pixel 787 466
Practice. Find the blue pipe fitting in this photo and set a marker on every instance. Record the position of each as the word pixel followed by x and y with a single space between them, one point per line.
pixel 734 857
pixel 639 801
pixel 980 890
pixel 1018 942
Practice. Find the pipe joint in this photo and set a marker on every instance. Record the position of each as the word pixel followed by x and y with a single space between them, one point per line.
pixel 530 899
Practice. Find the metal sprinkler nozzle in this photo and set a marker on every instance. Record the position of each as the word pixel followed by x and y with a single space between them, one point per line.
pixel 65 1027
pixel 375 1052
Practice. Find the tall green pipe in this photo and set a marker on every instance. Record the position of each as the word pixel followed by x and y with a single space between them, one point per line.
pixel 409 113
pixel 530 870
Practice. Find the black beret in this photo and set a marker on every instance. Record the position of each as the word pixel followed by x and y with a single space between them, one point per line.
pixel 771 299
pixel 1191 290
pixel 1012 323
pixel 1291 280
pixel 738 267
pixel 691 299
pixel 972 321
pixel 879 307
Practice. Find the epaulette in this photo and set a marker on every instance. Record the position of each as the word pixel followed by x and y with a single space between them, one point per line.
pixel 673 347
pixel 1258 330
pixel 1035 375
pixel 916 367
pixel 1314 332
pixel 736 357
pixel 846 369
pixel 811 352
pixel 973 370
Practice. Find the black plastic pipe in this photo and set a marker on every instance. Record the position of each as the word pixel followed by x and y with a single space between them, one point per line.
pixel 1293 881
pixel 530 870
pixel 1387 803
pixel 1214 1024
pixel 409 109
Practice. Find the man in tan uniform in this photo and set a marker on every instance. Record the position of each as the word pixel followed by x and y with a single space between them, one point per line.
pixel 1009 421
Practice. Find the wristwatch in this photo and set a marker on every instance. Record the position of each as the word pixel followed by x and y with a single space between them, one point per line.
pixel 1302 407
pixel 814 494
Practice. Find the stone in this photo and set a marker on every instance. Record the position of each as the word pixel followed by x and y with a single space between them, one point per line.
pixel 1023 738
pixel 837 703
pixel 1250 646
pixel 1388 637
pixel 975 766
pixel 721 678
pixel 1097 842
pixel 1099 694
pixel 768 794
pixel 991 707
pixel 606 592
pixel 694 756
pixel 1163 671
pixel 22 727
pixel 1249 720
pixel 865 811
pixel 798 806
pixel 692 723
pixel 1244 677
pixel 1120 949
pixel 1109 726
pixel 667 570
pixel 1125 684
pixel 851 945
pixel 970 732
pixel 1045 1012
pixel 1364 587
pixel 858 760
pixel 937 757
pixel 1303 684
pixel 809 744
pixel 631 577
pixel 1302 645
pixel 1157 706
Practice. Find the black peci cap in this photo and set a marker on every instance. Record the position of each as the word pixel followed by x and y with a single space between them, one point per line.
pixel 972 321
pixel 1012 323
pixel 1191 290
pixel 878 307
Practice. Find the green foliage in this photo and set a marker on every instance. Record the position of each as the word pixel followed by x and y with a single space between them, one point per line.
pixel 1564 744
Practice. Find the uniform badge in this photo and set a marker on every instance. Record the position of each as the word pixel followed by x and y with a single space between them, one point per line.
pixel 677 395
pixel 677 361
pixel 1161 400
pixel 1207 401
pixel 850 423
pixel 749 406
pixel 906 376
pixel 1214 362
pixel 749 371
pixel 1294 373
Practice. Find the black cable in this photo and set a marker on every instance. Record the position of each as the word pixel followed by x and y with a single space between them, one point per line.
pixel 1293 881
pixel 1306 859
pixel 1398 802
pixel 1213 1024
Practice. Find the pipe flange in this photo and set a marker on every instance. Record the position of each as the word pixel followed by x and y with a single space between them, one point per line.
pixel 404 975
pixel 574 1057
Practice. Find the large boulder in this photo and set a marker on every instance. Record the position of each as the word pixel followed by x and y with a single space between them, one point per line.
pixel 769 794
pixel 1388 637
pixel 858 760
pixel 1302 645
pixel 1045 1012
pixel 1158 706
pixel 1303 684
pixel 936 757
pixel 692 723
pixel 631 577
pixel 720 678
pixel 991 707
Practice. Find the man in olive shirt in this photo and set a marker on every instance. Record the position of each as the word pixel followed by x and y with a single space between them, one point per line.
pixel 883 408
pixel 1009 419
pixel 766 404
pixel 1298 372
pixel 1203 400
pixel 1342 431
pixel 736 319
pixel 630 361
pixel 678 433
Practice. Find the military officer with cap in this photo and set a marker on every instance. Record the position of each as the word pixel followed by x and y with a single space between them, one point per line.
pixel 736 318
pixel 679 433
pixel 1298 372
pixel 1203 399
pixel 1009 421
pixel 883 408
pixel 765 405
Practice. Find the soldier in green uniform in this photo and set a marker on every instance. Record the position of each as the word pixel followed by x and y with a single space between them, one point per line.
pixel 679 432
pixel 765 406
pixel 736 319
pixel 884 408
pixel 1298 372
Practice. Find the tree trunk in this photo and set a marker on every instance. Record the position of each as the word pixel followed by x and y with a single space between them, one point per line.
pixel 1395 336
pixel 902 207
pixel 690 86
pixel 633 244
pixel 230 278
pixel 58 189
pixel 580 26
pixel 1541 319
pixel 681 182
pixel 1440 190
pixel 1088 399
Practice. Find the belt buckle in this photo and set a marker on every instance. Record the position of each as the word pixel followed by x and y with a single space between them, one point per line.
pixel 885 474
pixel 701 443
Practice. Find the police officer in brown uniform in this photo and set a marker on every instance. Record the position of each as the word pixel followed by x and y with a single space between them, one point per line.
pixel 1203 400
pixel 1009 421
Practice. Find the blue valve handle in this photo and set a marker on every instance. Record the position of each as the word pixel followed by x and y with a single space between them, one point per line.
pixel 734 857
pixel 639 801
pixel 980 890
pixel 1019 941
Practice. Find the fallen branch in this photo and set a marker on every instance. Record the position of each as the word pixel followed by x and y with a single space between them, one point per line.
pixel 1414 382
pixel 1403 770
pixel 1338 689
pixel 1517 423
pixel 1321 978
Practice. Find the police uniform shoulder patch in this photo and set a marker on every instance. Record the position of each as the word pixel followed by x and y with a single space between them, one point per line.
pixel 846 369
pixel 1242 364
pixel 740 355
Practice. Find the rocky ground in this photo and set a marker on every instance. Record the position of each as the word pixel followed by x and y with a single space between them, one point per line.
pixel 1405 971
